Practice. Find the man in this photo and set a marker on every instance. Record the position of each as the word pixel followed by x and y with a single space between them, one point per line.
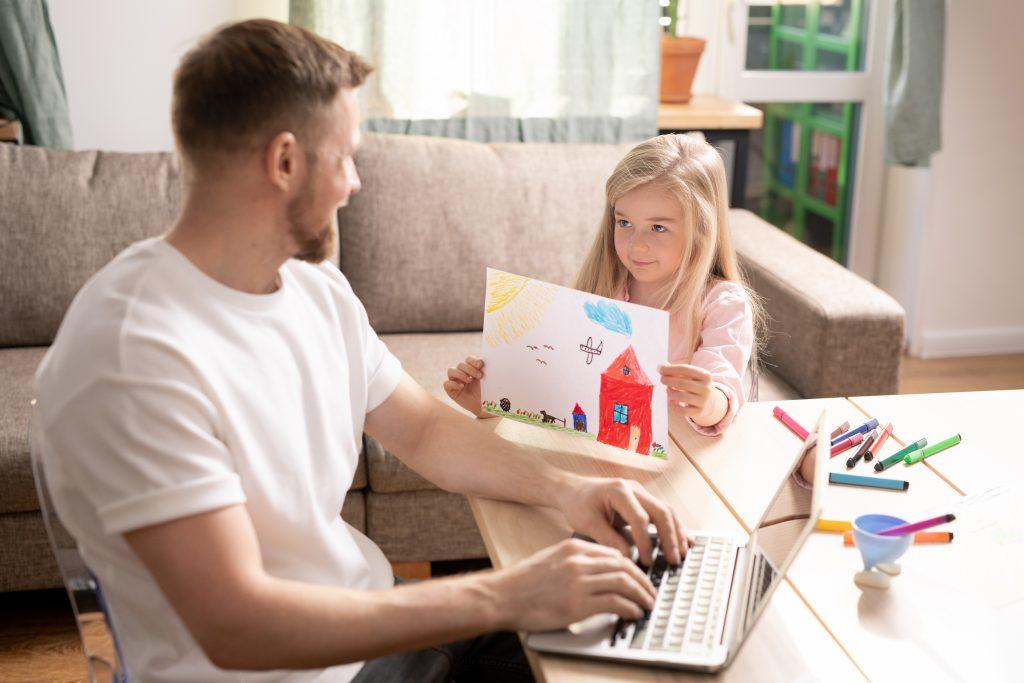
pixel 204 401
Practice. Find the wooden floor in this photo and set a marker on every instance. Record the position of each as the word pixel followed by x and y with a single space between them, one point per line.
pixel 39 641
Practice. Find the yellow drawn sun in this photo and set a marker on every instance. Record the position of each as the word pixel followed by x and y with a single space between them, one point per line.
pixel 514 306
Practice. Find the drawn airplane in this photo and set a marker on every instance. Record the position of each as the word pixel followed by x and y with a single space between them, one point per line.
pixel 591 350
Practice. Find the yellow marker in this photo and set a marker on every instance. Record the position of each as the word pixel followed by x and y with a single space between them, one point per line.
pixel 837 525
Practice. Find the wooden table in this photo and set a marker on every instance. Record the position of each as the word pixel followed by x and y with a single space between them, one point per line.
pixel 951 615
pixel 719 120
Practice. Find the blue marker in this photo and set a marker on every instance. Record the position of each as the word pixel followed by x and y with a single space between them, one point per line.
pixel 867 426
pixel 873 482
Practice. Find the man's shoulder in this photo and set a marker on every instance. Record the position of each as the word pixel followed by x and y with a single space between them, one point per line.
pixel 91 338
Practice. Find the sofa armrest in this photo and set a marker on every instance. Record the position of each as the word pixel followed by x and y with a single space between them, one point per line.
pixel 830 331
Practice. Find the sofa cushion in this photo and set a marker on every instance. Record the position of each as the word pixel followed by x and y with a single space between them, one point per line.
pixel 17 487
pixel 433 213
pixel 26 560
pixel 421 526
pixel 771 387
pixel 73 212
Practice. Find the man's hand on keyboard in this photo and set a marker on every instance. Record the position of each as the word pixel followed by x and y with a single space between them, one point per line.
pixel 566 583
pixel 594 505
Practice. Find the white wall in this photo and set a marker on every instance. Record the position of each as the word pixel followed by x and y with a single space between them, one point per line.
pixel 955 233
pixel 119 56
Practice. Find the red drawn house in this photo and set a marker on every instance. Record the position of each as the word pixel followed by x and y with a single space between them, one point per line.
pixel 625 404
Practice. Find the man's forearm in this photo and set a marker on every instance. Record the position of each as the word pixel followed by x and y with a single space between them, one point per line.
pixel 287 624
pixel 466 456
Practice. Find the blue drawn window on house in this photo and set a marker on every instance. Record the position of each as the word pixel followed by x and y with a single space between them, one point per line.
pixel 625 370
pixel 621 413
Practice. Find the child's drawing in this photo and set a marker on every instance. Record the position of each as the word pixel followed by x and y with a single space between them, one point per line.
pixel 538 372
pixel 591 350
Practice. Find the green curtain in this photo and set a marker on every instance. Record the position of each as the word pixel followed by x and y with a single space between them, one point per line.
pixel 914 81
pixel 500 71
pixel 31 82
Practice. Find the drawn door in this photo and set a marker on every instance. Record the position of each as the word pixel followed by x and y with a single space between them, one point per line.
pixel 634 437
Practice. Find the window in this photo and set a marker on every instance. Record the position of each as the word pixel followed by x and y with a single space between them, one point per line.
pixel 621 413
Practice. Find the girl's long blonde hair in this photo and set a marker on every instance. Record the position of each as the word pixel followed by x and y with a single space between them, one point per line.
pixel 692 170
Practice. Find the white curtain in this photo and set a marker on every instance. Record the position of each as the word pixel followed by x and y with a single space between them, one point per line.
pixel 501 70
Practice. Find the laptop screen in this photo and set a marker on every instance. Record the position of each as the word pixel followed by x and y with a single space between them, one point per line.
pixel 780 534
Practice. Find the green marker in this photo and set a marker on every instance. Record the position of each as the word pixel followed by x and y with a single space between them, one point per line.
pixel 896 457
pixel 920 455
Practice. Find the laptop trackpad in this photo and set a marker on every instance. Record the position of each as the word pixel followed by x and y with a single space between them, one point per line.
pixel 594 627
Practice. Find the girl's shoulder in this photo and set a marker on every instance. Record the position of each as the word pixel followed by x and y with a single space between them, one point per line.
pixel 725 293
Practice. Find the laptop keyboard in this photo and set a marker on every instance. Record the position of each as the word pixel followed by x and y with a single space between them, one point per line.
pixel 690 601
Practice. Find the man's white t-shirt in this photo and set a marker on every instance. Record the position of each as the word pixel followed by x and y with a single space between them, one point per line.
pixel 167 394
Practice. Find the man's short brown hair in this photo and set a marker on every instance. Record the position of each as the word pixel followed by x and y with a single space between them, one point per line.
pixel 246 82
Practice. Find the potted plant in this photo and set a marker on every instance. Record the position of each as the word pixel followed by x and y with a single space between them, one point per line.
pixel 680 56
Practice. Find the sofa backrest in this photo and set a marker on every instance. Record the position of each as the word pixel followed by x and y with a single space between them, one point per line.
pixel 434 213
pixel 63 216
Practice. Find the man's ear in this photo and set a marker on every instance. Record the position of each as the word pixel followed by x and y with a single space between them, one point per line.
pixel 282 160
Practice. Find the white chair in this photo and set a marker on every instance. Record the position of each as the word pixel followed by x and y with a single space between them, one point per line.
pixel 102 654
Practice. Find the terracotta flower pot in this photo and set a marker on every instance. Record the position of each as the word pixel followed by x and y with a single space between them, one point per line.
pixel 679 59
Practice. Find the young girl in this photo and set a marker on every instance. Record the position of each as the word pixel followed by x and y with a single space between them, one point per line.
pixel 665 242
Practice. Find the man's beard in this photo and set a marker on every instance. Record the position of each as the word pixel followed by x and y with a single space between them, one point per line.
pixel 315 248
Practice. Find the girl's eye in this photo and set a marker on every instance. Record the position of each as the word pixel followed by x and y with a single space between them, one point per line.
pixel 659 228
pixel 622 223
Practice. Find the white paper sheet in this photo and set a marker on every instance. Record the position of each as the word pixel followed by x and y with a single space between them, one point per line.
pixel 568 360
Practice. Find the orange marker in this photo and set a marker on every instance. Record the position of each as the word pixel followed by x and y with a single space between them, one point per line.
pixel 919 537
pixel 876 447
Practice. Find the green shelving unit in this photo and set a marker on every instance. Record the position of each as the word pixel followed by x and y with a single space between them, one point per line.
pixel 807 145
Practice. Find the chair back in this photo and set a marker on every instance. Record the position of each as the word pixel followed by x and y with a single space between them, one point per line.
pixel 102 654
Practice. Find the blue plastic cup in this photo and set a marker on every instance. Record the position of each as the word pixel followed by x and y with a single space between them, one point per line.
pixel 875 549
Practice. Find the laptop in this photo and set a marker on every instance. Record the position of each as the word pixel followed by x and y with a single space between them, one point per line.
pixel 706 608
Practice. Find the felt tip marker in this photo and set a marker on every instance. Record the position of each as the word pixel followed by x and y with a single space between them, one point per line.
pixel 921 537
pixel 867 426
pixel 863 448
pixel 839 430
pixel 870 482
pixel 904 529
pixel 846 445
pixel 793 425
pixel 897 456
pixel 877 445
pixel 918 456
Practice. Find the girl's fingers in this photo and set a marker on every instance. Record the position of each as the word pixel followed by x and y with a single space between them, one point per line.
pixel 685 371
pixel 692 385
pixel 453 389
pixel 477 363
pixel 688 397
pixel 470 370
pixel 459 376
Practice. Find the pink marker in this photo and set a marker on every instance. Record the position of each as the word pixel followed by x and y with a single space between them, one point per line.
pixel 793 425
pixel 904 529
pixel 846 445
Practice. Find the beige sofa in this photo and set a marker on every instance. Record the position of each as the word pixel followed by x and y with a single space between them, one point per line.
pixel 414 243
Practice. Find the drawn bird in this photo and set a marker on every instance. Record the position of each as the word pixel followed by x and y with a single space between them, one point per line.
pixel 542 362
pixel 551 348
pixel 531 347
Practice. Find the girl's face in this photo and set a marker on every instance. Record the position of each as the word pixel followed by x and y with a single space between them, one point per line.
pixel 649 233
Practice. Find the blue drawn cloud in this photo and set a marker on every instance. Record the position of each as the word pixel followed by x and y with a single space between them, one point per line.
pixel 609 316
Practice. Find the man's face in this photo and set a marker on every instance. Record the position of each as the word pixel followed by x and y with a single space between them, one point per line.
pixel 331 180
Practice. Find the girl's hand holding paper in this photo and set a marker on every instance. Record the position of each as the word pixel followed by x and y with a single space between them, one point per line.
pixel 691 390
